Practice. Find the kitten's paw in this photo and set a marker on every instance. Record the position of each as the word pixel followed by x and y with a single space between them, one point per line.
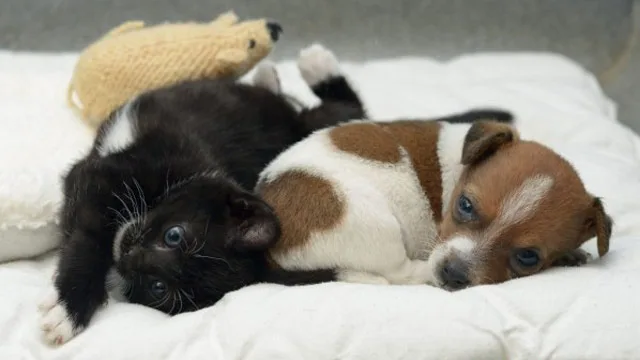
pixel 48 302
pixel 55 323
pixel 575 257
pixel 266 76
pixel 317 63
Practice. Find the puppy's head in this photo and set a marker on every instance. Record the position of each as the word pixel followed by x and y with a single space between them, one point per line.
pixel 518 208
pixel 200 241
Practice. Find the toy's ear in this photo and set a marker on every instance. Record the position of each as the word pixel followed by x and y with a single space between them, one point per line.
pixel 231 58
pixel 225 20
pixel 251 224
pixel 125 27
pixel 484 138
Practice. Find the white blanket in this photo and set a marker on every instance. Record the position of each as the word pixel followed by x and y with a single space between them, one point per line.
pixel 570 313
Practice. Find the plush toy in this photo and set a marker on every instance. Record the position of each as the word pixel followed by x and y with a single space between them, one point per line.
pixel 131 59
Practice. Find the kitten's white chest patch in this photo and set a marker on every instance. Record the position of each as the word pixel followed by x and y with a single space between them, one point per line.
pixel 121 134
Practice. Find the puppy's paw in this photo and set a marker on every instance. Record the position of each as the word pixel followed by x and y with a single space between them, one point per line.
pixel 317 64
pixel 55 322
pixel 266 76
pixel 575 257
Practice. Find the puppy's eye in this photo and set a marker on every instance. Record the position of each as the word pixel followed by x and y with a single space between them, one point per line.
pixel 526 258
pixel 465 209
pixel 252 44
pixel 158 288
pixel 174 236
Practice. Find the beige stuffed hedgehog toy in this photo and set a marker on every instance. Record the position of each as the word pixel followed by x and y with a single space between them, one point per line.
pixel 131 59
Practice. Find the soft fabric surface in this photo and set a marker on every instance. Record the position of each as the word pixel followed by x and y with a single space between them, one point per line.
pixel 571 313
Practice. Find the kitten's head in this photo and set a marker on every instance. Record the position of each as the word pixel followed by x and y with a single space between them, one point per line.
pixel 205 238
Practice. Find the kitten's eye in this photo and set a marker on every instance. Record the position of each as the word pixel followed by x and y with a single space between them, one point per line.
pixel 158 288
pixel 252 44
pixel 526 258
pixel 465 209
pixel 174 236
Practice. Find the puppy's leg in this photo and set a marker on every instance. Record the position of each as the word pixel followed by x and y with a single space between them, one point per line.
pixel 266 76
pixel 574 257
pixel 321 71
pixel 370 244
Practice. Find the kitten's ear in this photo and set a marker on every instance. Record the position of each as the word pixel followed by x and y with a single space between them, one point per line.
pixel 484 138
pixel 251 223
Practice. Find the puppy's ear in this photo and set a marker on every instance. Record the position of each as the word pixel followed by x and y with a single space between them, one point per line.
pixel 598 224
pixel 251 223
pixel 484 138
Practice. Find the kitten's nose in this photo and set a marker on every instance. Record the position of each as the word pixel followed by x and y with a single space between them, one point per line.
pixel 274 30
pixel 455 274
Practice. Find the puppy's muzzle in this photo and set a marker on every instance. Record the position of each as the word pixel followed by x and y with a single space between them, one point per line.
pixel 454 274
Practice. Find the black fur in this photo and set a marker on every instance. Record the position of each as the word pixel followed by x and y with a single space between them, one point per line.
pixel 472 116
pixel 179 196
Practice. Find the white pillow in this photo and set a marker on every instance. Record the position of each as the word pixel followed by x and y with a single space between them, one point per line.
pixel 39 138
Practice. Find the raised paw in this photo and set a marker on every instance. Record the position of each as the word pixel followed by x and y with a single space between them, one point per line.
pixel 266 76
pixel 575 257
pixel 55 323
pixel 317 63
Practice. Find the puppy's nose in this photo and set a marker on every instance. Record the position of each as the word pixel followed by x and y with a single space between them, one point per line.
pixel 455 274
pixel 274 30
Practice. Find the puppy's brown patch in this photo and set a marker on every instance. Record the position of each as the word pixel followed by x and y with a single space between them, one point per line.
pixel 366 140
pixel 420 140
pixel 304 204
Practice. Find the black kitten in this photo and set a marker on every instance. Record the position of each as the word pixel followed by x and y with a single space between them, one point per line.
pixel 163 196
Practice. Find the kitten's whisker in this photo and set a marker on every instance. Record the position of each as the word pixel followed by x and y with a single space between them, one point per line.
pixel 120 219
pixel 143 199
pixel 180 298
pixel 192 246
pixel 184 247
pixel 167 186
pixel 206 227
pixel 199 248
pixel 214 259
pixel 174 303
pixel 160 302
pixel 190 298
pixel 124 205
pixel 132 199
pixel 133 286
pixel 143 234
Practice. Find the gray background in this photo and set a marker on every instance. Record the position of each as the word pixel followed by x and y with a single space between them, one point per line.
pixel 596 33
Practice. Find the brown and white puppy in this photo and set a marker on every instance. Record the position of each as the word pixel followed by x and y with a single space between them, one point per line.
pixel 414 202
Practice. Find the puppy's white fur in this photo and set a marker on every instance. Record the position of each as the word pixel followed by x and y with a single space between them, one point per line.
pixel 449 155
pixel 524 201
pixel 387 215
